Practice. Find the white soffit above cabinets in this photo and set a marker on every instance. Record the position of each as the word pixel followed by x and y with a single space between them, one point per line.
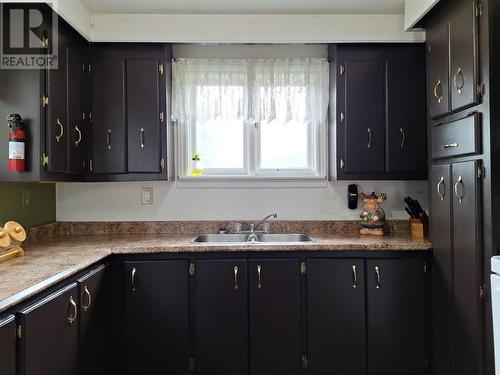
pixel 245 21
pixel 415 10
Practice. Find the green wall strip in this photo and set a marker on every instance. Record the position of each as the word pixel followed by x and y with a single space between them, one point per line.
pixel 40 210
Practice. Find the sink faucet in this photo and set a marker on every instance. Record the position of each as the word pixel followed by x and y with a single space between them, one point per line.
pixel 254 226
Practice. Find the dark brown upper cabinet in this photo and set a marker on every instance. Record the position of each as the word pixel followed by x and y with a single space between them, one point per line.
pixel 379 111
pixel 49 339
pixel 8 345
pixel 452 60
pixel 129 133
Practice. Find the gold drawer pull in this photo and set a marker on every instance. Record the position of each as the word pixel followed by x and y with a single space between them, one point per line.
pixel 459 182
pixel 259 271
pixel 89 298
pixel 354 277
pixel 77 142
pixel 377 277
pixel 436 95
pixel 450 145
pixel 236 278
pixel 438 188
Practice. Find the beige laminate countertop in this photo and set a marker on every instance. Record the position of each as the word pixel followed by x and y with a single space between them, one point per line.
pixel 50 262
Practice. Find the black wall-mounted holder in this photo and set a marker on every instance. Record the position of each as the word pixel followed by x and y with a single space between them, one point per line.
pixel 352 196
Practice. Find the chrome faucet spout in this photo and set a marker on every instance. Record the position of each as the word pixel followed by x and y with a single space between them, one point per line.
pixel 254 227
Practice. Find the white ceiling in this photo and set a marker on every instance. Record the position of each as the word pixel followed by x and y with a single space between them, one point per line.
pixel 246 6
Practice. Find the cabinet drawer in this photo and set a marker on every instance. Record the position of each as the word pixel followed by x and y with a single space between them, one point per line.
pixel 456 138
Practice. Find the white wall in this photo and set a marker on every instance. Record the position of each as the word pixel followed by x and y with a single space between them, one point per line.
pixel 415 10
pixel 122 201
pixel 251 28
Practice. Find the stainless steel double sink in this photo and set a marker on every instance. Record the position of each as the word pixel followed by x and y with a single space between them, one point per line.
pixel 253 238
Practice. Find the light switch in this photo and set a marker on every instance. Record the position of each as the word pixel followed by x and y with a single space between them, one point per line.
pixel 147 196
pixel 26 198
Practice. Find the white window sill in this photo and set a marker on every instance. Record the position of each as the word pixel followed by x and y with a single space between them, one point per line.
pixel 260 182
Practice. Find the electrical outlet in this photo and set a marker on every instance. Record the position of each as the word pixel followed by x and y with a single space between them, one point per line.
pixel 26 198
pixel 147 196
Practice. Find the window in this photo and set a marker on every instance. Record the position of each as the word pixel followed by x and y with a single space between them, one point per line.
pixel 251 118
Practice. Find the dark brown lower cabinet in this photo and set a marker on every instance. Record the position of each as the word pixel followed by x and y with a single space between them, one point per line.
pixel 156 317
pixel 457 261
pixel 49 342
pixel 467 263
pixel 221 317
pixel 275 316
pixel 336 324
pixel 8 345
pixel 94 290
pixel 442 278
pixel 396 316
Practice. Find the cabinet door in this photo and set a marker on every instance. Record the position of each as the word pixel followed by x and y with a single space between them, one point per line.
pixel 8 346
pixel 406 111
pixel 143 116
pixel 49 344
pixel 221 317
pixel 396 316
pixel 364 122
pixel 275 331
pixel 442 279
pixel 438 68
pixel 57 127
pixel 94 290
pixel 156 317
pixel 108 116
pixel 336 325
pixel 77 134
pixel 467 263
pixel 464 55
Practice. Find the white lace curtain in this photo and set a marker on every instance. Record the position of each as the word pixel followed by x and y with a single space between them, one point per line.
pixel 251 89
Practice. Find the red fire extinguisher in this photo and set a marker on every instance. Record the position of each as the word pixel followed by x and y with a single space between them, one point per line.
pixel 17 142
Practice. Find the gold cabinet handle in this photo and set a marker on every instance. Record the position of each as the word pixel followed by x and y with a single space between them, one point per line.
pixel 459 80
pixel 89 298
pixel 108 139
pixel 134 271
pixel 354 277
pixel 436 95
pixel 259 276
pixel 438 188
pixel 236 278
pixel 71 319
pixel 141 137
pixel 459 182
pixel 450 145
pixel 377 277
pixel 61 130
pixel 79 132
pixel 403 137
pixel 369 138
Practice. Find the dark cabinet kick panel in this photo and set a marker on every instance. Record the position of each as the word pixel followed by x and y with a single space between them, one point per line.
pixel 155 317
pixel 275 330
pixel 336 316
pixel 108 116
pixel 221 317
pixel 8 345
pixel 49 345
